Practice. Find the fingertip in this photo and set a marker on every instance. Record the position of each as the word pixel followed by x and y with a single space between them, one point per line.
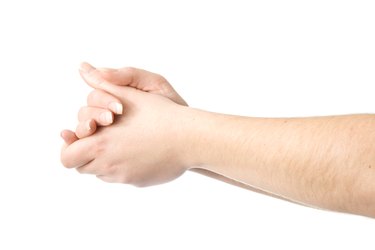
pixel 86 67
pixel 86 128
pixel 78 153
pixel 106 118
pixel 93 77
pixel 116 107
pixel 106 70
pixel 68 136
pixel 91 126
pixel 64 133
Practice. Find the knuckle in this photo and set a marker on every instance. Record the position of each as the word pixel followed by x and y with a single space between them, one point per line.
pixel 161 79
pixel 128 74
pixel 80 131
pixel 129 70
pixel 80 170
pixel 94 96
pixel 140 185
pixel 104 179
pixel 109 169
pixel 120 175
pixel 99 146
pixel 125 179
pixel 66 162
pixel 91 97
pixel 129 176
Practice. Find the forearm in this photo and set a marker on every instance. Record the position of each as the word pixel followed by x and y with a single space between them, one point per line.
pixel 327 162
pixel 227 180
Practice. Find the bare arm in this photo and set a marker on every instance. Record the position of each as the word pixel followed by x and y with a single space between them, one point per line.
pixel 327 162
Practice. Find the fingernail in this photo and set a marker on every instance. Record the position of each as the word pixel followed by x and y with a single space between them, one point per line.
pixel 85 67
pixel 92 78
pixel 88 125
pixel 106 117
pixel 116 107
pixel 105 70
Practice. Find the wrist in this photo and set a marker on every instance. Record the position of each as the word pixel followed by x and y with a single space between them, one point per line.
pixel 195 144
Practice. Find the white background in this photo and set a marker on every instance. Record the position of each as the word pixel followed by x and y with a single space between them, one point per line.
pixel 255 58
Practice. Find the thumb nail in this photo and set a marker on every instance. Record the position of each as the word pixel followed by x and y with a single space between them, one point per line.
pixel 94 79
pixel 86 67
pixel 105 70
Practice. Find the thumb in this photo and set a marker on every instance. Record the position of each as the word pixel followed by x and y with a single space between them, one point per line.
pixel 143 80
pixel 128 76
pixel 90 75
pixel 95 80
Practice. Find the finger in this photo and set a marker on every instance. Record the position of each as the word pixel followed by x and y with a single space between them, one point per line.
pixel 132 77
pixel 87 71
pixel 98 168
pixel 93 79
pixel 86 128
pixel 80 152
pixel 100 99
pixel 102 117
pixel 91 76
pixel 89 168
pixel 141 79
pixel 128 76
pixel 68 136
pixel 107 179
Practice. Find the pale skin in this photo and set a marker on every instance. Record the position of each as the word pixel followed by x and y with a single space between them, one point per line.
pixel 147 135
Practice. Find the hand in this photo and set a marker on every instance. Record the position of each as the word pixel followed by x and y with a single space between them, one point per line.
pixel 132 77
pixel 128 76
pixel 143 147
pixel 99 101
pixel 98 112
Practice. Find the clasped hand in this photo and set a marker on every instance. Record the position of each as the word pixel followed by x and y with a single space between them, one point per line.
pixel 131 129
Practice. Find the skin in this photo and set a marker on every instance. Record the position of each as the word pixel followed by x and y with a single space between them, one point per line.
pixel 146 81
pixel 324 162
